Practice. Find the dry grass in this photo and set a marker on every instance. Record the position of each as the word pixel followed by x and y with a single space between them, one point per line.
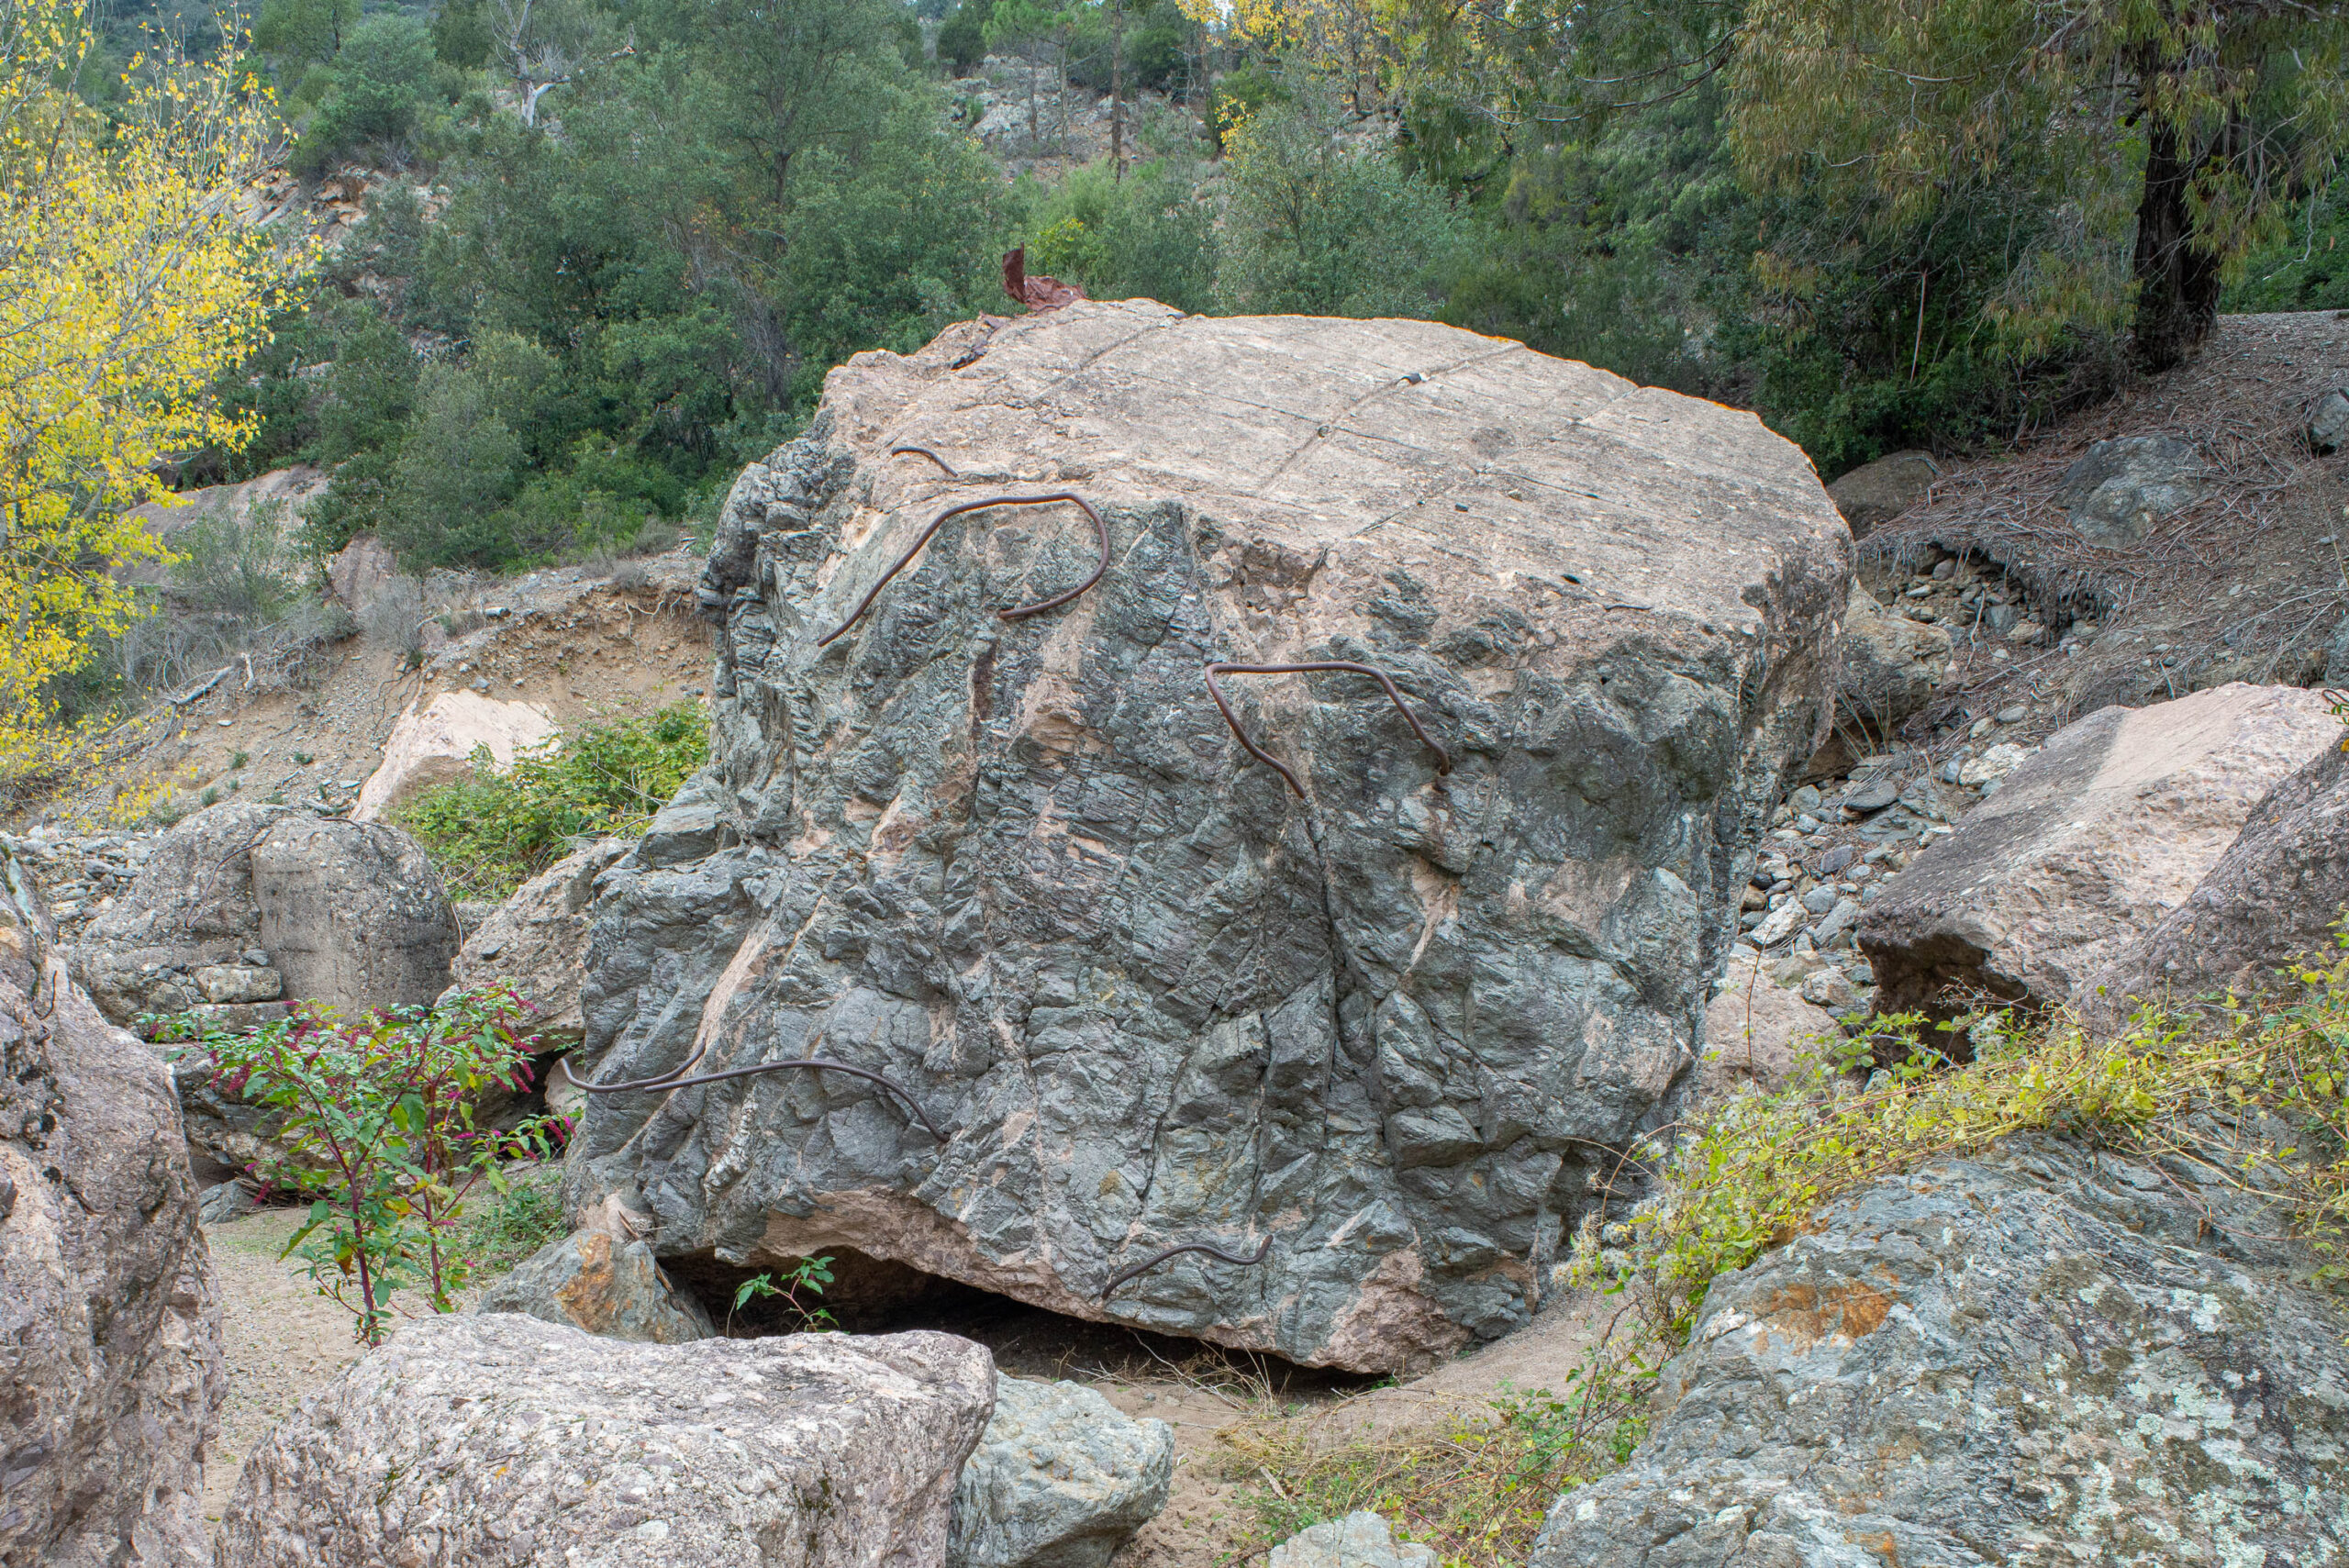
pixel 1475 1482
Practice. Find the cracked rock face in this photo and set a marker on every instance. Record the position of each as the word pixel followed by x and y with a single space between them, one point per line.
pixel 1150 995
pixel 2042 1356
pixel 111 1378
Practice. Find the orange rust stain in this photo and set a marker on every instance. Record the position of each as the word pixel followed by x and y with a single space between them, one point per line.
pixel 1882 1545
pixel 1809 1314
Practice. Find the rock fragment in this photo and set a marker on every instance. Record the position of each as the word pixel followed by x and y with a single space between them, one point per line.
pixel 1059 1479
pixel 2086 846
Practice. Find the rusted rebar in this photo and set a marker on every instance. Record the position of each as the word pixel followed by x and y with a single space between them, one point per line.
pixel 1100 529
pixel 1122 1275
pixel 925 451
pixel 1443 757
pixel 823 1063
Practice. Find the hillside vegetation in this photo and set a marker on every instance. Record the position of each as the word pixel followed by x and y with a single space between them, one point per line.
pixel 610 250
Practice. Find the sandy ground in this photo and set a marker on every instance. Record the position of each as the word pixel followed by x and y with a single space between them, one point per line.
pixel 282 1338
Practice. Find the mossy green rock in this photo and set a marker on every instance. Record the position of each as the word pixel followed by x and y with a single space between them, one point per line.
pixel 2042 1355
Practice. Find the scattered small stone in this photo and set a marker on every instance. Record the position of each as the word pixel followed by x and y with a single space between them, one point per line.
pixel 1836 859
pixel 1818 900
pixel 2013 714
pixel 1873 794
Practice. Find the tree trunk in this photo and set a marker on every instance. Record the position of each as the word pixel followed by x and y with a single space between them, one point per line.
pixel 1117 89
pixel 2177 279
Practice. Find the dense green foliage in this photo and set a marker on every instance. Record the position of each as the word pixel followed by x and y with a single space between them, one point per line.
pixel 491 832
pixel 633 286
pixel 376 1116
pixel 634 238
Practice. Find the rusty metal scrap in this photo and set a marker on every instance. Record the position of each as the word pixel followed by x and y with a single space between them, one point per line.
pixel 1443 757
pixel 821 1063
pixel 1100 531
pixel 1122 1275
pixel 924 451
pixel 1037 294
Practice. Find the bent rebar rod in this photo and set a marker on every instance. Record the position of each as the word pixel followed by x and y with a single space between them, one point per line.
pixel 1100 529
pixel 1122 1275
pixel 925 451
pixel 1443 757
pixel 823 1063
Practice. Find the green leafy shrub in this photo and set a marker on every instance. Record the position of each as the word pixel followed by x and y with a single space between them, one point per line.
pixel 1749 1172
pixel 490 832
pixel 376 1118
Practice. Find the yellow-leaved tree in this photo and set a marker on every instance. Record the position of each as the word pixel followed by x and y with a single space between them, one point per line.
pixel 131 277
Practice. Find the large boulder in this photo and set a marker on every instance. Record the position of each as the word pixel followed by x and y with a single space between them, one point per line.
pixel 2085 846
pixel 353 914
pixel 1380 1026
pixel 500 1441
pixel 191 905
pixel 1059 1479
pixel 1874 492
pixel 1892 665
pixel 111 1381
pixel 537 941
pixel 434 743
pixel 2275 895
pixel 241 899
pixel 2042 1355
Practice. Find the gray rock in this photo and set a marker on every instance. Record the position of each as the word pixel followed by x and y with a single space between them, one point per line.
pixel 1871 794
pixel 191 905
pixel 1361 1539
pixel 1061 1479
pixel 605 1284
pixel 353 914
pixel 223 1202
pixel 2042 1355
pixel 233 984
pixel 111 1385
pixel 1152 996
pixel 2329 422
pixel 2085 845
pixel 1874 492
pixel 2273 895
pixel 466 1442
pixel 1818 900
pixel 1891 665
pixel 1842 917
pixel 1758 1031
pixel 2125 485
pixel 537 941
pixel 345 913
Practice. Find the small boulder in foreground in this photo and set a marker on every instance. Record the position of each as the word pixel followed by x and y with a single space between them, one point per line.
pixel 500 1441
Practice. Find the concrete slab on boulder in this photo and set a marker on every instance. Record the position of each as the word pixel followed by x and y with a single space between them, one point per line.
pixel 2085 846
pixel 1384 1021
pixel 503 1440
pixel 2276 894
pixel 2043 1354
pixel 112 1381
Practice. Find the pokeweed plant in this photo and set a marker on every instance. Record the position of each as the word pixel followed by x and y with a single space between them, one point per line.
pixel 809 1275
pixel 377 1125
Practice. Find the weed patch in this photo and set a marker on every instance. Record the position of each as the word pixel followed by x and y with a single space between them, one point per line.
pixel 490 832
